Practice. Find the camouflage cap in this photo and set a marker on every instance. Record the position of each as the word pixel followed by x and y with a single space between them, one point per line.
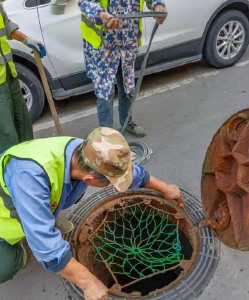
pixel 106 151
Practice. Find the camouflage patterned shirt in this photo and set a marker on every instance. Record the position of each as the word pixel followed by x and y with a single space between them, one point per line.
pixel 122 45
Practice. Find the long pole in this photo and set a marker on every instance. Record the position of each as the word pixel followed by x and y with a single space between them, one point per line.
pixel 48 93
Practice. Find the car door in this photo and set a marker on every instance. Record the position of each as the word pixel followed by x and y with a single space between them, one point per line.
pixel 183 28
pixel 25 15
pixel 61 29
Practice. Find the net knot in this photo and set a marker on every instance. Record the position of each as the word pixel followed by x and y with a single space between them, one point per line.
pixel 177 247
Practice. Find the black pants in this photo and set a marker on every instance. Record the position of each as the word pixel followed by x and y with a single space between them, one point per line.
pixel 11 260
pixel 15 123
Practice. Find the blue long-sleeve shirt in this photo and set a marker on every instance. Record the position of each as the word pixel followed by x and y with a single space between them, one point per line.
pixel 28 186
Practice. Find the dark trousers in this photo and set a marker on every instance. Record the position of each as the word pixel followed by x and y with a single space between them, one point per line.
pixel 15 123
pixel 105 107
pixel 11 260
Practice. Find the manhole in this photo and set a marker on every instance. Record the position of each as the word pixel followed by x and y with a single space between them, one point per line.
pixel 110 239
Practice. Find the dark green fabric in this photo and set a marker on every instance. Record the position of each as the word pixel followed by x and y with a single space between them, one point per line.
pixel 15 123
pixel 11 260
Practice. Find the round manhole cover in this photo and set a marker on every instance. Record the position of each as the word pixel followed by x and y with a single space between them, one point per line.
pixel 225 182
pixel 140 245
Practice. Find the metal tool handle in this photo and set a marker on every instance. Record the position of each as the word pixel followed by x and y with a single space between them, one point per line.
pixel 138 15
pixel 160 14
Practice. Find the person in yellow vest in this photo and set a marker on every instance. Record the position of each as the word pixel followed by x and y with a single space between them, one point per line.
pixel 41 177
pixel 15 122
pixel 116 59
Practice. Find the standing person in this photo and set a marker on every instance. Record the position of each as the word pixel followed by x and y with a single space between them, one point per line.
pixel 15 123
pixel 116 60
pixel 39 178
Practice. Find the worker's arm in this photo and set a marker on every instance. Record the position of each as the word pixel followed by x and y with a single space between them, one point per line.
pixel 9 25
pixel 142 179
pixel 13 33
pixel 92 9
pixel 170 191
pixel 97 14
pixel 29 189
pixel 28 41
pixel 18 36
pixel 157 5
pixel 93 288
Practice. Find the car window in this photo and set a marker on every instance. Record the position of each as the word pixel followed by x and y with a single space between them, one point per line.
pixel 35 3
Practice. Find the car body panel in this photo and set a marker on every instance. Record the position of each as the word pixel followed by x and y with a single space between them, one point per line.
pixel 186 21
pixel 179 40
pixel 18 14
pixel 63 38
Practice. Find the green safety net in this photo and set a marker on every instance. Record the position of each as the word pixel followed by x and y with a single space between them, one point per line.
pixel 137 241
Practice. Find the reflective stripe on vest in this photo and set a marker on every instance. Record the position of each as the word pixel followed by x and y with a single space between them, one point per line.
pixel 9 214
pixel 2 32
pixel 5 54
pixel 3 71
pixel 141 8
pixel 11 228
pixel 52 160
pixel 90 31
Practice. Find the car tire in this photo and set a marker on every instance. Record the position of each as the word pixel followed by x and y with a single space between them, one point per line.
pixel 32 91
pixel 213 50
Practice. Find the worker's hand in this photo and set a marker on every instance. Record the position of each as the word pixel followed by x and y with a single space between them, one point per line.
pixel 114 23
pixel 158 8
pixel 172 192
pixel 33 44
pixel 95 290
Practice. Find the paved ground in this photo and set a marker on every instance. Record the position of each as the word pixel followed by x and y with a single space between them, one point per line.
pixel 181 110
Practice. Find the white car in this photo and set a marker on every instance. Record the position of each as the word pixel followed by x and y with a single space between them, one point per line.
pixel 216 30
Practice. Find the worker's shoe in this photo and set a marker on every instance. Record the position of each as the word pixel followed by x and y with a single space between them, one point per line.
pixel 136 130
pixel 25 256
pixel 64 226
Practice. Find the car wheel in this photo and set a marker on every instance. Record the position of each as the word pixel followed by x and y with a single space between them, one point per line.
pixel 227 39
pixel 32 91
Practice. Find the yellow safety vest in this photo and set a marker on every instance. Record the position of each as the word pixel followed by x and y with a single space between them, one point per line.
pixel 5 54
pixel 50 155
pixel 90 31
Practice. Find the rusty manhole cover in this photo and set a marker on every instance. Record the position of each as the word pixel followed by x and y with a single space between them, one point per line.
pixel 225 182
pixel 161 251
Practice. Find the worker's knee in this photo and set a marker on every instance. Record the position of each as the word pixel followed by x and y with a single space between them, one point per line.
pixel 11 260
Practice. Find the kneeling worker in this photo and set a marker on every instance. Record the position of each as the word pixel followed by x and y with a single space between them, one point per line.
pixel 39 178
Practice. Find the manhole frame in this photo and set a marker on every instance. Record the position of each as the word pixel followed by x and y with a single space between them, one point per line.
pixel 198 277
pixel 192 234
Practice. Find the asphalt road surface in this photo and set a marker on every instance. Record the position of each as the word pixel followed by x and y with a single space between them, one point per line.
pixel 181 110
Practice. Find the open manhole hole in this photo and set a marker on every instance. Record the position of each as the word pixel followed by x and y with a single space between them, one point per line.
pixel 137 244
pixel 141 245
